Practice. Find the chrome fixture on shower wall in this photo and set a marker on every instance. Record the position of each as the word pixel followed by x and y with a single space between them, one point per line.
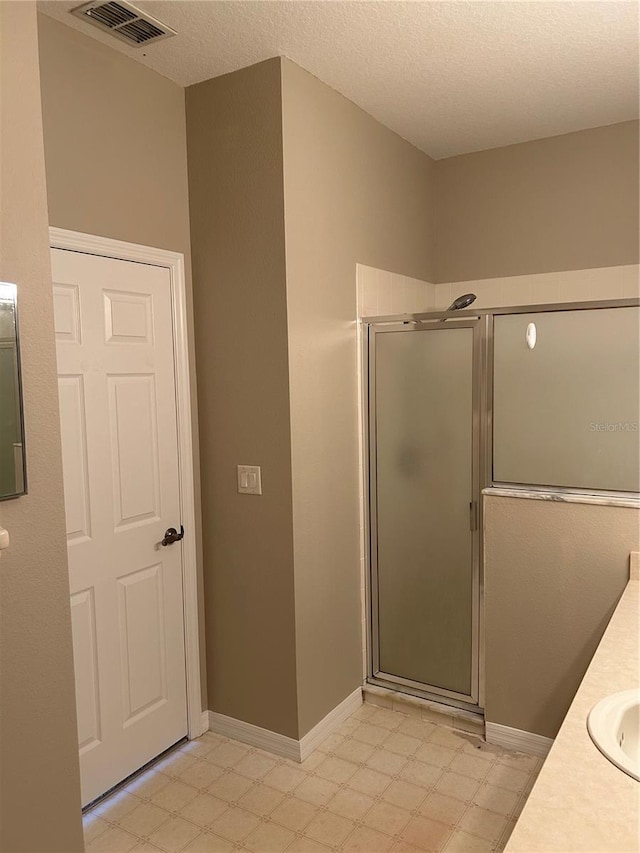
pixel 462 302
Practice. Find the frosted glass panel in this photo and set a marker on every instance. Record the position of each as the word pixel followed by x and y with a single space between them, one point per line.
pixel 566 411
pixel 423 411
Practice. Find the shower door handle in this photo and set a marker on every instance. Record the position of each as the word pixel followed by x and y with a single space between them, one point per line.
pixel 473 515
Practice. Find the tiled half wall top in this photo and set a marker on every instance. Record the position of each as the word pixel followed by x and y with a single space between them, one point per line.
pixel 381 292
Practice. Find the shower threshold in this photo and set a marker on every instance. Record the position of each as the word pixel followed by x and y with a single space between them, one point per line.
pixel 432 709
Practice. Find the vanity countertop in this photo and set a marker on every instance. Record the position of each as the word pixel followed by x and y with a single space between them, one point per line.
pixel 581 801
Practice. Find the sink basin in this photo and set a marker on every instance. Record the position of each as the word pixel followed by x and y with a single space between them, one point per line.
pixel 614 726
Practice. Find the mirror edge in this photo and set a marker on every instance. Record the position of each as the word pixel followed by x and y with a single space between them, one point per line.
pixel 25 489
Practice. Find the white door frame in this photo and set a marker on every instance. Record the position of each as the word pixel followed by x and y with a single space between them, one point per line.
pixel 60 238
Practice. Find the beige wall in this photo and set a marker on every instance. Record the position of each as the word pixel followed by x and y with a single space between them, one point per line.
pixel 234 128
pixel 115 142
pixel 562 203
pixel 553 575
pixel 116 162
pixel 39 777
pixel 354 193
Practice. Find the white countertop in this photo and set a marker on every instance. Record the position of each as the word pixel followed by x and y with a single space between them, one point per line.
pixel 581 801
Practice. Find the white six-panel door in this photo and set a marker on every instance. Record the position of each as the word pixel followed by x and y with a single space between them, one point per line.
pixel 113 329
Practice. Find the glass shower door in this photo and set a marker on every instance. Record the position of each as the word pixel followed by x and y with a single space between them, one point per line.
pixel 423 483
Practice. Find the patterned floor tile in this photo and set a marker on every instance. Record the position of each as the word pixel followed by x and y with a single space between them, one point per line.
pixel 385 782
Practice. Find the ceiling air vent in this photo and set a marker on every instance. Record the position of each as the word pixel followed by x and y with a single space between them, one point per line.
pixel 124 21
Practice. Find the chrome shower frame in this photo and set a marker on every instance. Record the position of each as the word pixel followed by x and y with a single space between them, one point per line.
pixel 483 482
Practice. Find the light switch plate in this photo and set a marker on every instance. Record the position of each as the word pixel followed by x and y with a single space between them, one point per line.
pixel 249 480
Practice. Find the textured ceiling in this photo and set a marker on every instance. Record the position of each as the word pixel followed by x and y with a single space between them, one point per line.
pixel 451 77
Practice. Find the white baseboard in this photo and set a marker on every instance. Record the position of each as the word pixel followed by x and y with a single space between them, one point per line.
pixel 517 740
pixel 286 747
pixel 330 723
pixel 206 723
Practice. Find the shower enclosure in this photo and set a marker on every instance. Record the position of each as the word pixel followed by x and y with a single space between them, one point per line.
pixel 424 468
pixel 433 384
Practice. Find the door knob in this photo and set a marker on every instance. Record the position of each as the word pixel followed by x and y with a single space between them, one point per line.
pixel 171 535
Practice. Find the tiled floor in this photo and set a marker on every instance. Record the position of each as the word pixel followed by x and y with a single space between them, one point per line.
pixel 385 782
